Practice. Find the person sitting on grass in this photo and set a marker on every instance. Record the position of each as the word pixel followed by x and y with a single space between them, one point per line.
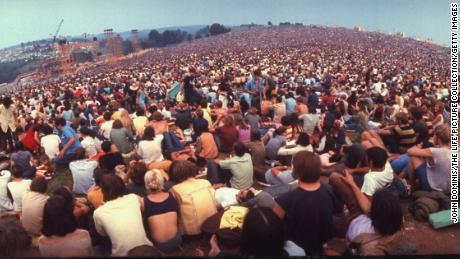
pixel 134 178
pixel 120 218
pixel 160 209
pixel 33 202
pixel 263 234
pixel 380 175
pixel 17 188
pixel 95 196
pixel 431 166
pixel 237 170
pixel 194 196
pixel 111 157
pixel 14 240
pixel 307 211
pixel 379 232
pixel 82 171
pixel 61 237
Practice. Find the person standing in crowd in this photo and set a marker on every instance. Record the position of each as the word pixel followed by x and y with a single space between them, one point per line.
pixel 255 89
pixel 191 94
pixel 8 122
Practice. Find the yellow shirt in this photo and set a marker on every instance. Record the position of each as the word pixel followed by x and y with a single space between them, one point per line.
pixel 139 124
pixel 116 115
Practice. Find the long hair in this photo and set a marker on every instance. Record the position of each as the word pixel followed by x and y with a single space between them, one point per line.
pixel 58 217
pixel 263 234
pixel 386 213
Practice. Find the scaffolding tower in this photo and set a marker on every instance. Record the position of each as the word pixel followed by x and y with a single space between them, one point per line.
pixel 136 41
pixel 114 45
pixel 95 49
pixel 65 57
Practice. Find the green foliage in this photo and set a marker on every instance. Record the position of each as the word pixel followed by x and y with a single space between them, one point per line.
pixel 9 70
pixel 217 28
pixel 285 24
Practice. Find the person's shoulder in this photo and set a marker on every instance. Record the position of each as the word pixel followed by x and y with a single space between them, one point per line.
pixel 131 196
pixel 326 188
pixel 288 197
pixel 204 182
pixel 91 162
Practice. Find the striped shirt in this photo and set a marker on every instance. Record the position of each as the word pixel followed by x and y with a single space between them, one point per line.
pixel 406 136
pixel 429 124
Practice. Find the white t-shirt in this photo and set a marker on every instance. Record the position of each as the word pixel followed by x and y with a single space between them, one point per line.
pixel 374 181
pixel 121 220
pixel 17 190
pixel 166 114
pixel 5 202
pixel 283 151
pixel 359 225
pixel 150 150
pixel 438 169
pixel 89 144
pixel 106 127
pixel 50 143
pixel 226 196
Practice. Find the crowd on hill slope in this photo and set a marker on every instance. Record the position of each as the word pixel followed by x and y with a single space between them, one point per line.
pixel 268 141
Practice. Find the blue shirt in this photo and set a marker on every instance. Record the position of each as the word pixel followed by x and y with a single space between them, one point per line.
pixel 313 100
pixel 290 106
pixel 66 134
pixel 251 86
pixel 273 145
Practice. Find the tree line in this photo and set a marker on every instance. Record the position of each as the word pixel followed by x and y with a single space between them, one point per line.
pixel 168 37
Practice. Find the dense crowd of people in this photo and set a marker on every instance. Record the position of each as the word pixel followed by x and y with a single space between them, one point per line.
pixel 267 142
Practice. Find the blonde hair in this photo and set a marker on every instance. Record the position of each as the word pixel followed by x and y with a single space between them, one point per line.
pixel 125 119
pixel 154 181
pixel 443 133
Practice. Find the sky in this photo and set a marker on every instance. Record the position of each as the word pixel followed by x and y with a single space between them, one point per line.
pixel 28 20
